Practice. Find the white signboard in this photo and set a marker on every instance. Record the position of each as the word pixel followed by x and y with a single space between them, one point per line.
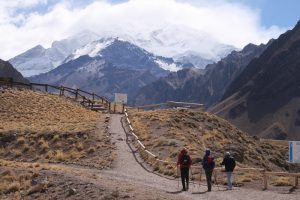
pixel 120 98
pixel 294 151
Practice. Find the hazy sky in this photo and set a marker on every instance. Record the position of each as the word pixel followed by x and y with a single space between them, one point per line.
pixel 26 23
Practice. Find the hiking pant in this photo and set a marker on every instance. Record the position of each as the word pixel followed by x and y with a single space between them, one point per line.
pixel 208 174
pixel 229 179
pixel 185 177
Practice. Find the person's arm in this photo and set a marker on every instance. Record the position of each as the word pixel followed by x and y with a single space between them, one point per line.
pixel 190 161
pixel 223 162
pixel 178 160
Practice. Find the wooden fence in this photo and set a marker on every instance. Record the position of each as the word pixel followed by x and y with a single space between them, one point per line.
pixel 170 104
pixel 217 171
pixel 87 99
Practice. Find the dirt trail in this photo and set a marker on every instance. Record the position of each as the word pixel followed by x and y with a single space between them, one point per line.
pixel 130 168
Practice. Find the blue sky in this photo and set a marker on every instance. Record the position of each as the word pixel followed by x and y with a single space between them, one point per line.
pixel 26 23
pixel 276 12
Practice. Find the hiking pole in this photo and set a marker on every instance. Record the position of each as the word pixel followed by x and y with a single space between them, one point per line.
pixel 192 178
pixel 178 177
pixel 200 176
pixel 216 180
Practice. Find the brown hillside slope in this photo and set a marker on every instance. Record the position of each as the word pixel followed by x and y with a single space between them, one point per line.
pixel 48 128
pixel 165 132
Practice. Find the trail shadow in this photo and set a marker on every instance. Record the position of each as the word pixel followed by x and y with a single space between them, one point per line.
pixel 199 192
pixel 174 192
pixel 142 163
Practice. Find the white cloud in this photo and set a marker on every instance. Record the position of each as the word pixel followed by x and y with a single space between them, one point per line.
pixel 222 22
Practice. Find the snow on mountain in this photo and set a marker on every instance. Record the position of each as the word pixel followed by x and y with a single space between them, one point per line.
pixel 177 41
pixel 125 54
pixel 183 44
pixel 40 60
pixel 172 67
pixel 92 49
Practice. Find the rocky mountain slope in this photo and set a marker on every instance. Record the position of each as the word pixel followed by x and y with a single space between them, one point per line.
pixel 206 86
pixel 264 99
pixel 8 71
pixel 40 60
pixel 109 66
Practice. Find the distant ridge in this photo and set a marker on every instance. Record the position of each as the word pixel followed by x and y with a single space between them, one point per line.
pixel 265 99
pixel 8 71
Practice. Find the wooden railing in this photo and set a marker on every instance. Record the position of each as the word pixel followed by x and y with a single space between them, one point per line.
pixel 170 104
pixel 87 99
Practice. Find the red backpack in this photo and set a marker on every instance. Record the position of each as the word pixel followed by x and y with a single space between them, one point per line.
pixel 210 160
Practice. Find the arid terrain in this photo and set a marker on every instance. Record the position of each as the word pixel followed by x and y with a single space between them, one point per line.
pixel 165 132
pixel 53 148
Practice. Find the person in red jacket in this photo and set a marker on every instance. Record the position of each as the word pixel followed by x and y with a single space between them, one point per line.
pixel 185 162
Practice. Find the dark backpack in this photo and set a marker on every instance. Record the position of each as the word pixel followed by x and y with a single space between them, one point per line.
pixel 185 160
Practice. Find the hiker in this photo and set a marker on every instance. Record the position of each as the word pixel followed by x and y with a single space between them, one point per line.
pixel 229 163
pixel 208 165
pixel 185 162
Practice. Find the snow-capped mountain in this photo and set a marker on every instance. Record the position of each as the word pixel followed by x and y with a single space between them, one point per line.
pixel 109 65
pixel 124 54
pixel 178 41
pixel 183 44
pixel 40 60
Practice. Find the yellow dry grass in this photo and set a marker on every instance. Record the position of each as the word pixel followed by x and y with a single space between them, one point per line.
pixel 166 132
pixel 28 111
pixel 44 127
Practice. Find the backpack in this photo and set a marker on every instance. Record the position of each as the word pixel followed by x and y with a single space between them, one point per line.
pixel 185 160
pixel 210 160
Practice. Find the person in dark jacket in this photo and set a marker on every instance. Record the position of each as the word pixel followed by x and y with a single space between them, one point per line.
pixel 185 162
pixel 208 165
pixel 229 163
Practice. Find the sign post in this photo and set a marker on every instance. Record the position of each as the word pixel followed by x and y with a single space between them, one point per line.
pixel 294 151
pixel 121 98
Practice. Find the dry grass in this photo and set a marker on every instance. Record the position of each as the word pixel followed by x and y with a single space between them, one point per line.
pixel 27 111
pixel 165 132
pixel 48 128
pixel 11 182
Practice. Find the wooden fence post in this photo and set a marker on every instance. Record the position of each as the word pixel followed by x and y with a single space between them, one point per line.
pixel 265 177
pixel 296 181
pixel 123 108
pixel 109 107
pixel 115 105
pixel 76 94
pixel 46 87
pixel 93 96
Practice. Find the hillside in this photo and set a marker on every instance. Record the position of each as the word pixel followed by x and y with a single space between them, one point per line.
pixel 8 71
pixel 165 132
pixel 264 99
pixel 47 128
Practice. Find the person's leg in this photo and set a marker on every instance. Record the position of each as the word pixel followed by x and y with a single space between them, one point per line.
pixel 229 180
pixel 187 178
pixel 182 178
pixel 208 174
pixel 209 178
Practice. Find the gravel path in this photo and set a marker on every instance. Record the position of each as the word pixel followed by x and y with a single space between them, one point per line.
pixel 130 168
